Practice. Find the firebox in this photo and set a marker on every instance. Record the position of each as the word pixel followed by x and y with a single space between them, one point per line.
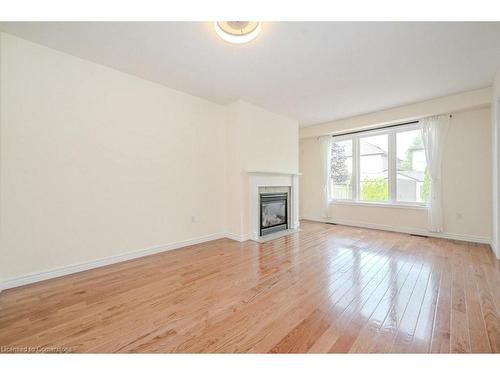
pixel 273 212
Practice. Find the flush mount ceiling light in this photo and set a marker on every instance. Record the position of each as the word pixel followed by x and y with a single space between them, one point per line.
pixel 238 32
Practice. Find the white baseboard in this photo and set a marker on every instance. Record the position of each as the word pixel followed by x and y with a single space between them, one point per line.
pixel 494 247
pixel 237 237
pixel 83 266
pixel 87 265
pixel 390 228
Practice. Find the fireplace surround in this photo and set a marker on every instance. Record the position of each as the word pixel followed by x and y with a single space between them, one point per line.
pixel 260 182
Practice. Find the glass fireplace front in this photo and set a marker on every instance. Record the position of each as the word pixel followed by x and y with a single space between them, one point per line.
pixel 273 212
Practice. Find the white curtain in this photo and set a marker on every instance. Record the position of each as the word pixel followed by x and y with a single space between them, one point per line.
pixel 434 131
pixel 325 144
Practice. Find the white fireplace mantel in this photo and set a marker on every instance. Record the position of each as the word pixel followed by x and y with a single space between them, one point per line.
pixel 273 172
pixel 258 179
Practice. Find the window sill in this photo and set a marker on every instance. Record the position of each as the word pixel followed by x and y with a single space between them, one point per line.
pixel 398 205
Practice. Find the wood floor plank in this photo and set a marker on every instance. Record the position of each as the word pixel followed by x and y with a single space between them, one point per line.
pixel 441 330
pixel 423 331
pixel 336 287
pixel 459 334
pixel 347 327
pixel 324 289
pixel 477 330
pixel 341 301
pixel 279 327
pixel 390 326
pixel 489 313
pixel 408 323
pixel 369 333
pixel 344 330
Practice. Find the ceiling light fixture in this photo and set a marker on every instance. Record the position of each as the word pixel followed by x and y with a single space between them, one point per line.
pixel 238 32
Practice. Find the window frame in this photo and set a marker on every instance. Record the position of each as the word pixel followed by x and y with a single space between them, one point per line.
pixel 392 168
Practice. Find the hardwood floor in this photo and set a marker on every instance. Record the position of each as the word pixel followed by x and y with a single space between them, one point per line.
pixel 324 289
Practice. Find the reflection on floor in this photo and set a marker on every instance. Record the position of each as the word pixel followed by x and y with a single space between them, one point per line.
pixel 323 289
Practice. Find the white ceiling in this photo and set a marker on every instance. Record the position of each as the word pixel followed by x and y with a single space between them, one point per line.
pixel 312 71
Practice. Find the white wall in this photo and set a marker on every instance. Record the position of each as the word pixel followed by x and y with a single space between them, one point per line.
pixel 467 183
pixel 269 141
pixel 495 121
pixel 96 163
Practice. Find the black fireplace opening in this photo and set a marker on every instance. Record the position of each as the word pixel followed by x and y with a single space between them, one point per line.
pixel 273 212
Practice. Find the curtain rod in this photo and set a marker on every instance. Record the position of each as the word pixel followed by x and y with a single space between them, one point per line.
pixel 379 128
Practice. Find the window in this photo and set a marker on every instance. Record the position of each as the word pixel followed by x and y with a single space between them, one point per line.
pixel 412 180
pixel 380 166
pixel 341 182
pixel 373 168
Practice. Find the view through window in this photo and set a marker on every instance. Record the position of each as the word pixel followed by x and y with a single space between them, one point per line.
pixel 341 170
pixel 413 182
pixel 373 168
pixel 380 166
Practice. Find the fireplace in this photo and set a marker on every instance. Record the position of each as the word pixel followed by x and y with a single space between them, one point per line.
pixel 273 212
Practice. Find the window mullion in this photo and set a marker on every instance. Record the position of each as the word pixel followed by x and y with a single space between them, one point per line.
pixel 355 145
pixel 392 168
